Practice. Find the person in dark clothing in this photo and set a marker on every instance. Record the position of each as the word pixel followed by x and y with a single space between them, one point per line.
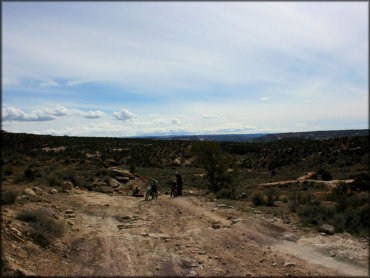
pixel 154 188
pixel 137 193
pixel 179 184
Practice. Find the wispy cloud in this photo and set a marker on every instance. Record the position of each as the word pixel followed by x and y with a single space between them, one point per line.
pixel 72 83
pixel 208 116
pixel 48 83
pixel 265 98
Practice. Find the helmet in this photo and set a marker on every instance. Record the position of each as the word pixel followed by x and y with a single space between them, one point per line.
pixel 154 181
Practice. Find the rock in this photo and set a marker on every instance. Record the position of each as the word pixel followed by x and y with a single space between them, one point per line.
pixel 144 234
pixel 202 253
pixel 216 225
pixel 122 179
pixel 289 264
pixel 159 235
pixel 105 189
pixel 38 190
pixel 236 221
pixel 326 228
pixel 332 254
pixel 72 216
pixel 116 172
pixel 29 192
pixel 53 191
pixel 114 183
pixel 69 211
pixel 67 185
pixel 120 226
pixel 19 271
pixel 200 262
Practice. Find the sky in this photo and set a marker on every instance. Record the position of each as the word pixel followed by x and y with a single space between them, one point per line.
pixel 122 69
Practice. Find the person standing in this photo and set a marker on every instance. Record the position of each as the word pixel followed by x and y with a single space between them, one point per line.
pixel 179 184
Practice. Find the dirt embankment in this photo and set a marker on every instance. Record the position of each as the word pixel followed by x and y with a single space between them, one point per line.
pixel 185 236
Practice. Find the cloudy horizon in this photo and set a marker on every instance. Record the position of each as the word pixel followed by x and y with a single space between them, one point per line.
pixel 124 69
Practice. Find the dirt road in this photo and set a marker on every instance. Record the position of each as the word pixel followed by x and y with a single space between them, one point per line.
pixel 186 236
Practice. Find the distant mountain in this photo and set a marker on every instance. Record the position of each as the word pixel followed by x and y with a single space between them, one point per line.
pixel 263 137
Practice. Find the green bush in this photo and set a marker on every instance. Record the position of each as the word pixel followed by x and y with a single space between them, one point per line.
pixel 43 227
pixel 8 197
pixel 53 180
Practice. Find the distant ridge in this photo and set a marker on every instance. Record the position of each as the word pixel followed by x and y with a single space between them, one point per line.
pixel 263 137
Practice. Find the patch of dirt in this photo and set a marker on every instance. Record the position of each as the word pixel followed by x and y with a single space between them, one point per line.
pixel 184 236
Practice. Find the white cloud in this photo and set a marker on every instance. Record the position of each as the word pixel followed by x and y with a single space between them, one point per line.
pixel 124 115
pixel 265 98
pixel 208 116
pixel 175 121
pixel 93 114
pixel 60 111
pixel 10 80
pixel 48 83
pixel 72 83
pixel 13 114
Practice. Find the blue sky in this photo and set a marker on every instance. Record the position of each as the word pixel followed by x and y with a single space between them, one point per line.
pixel 160 68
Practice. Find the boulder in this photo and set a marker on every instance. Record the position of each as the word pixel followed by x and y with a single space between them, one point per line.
pixel 38 190
pixel 114 183
pixel 216 225
pixel 326 228
pixel 105 189
pixel 115 172
pixel 112 162
pixel 289 264
pixel 122 179
pixel 29 192
pixel 53 191
pixel 67 185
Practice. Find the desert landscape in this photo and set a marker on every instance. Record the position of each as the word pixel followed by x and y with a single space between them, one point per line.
pixel 67 214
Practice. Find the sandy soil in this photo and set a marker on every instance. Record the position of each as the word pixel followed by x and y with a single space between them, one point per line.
pixel 184 236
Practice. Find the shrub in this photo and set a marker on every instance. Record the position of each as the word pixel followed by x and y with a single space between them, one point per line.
pixel 29 174
pixel 257 199
pixel 226 193
pixel 270 198
pixel 53 180
pixel 8 197
pixel 8 171
pixel 326 176
pixel 132 168
pixel 43 228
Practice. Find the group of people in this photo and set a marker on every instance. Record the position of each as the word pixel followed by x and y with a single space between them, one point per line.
pixel 152 190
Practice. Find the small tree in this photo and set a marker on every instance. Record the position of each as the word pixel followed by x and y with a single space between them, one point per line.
pixel 220 167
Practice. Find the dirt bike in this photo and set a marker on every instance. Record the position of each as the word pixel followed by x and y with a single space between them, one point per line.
pixel 174 192
pixel 149 193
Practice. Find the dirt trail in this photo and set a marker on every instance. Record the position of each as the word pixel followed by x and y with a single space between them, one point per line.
pixel 185 236
pixel 303 178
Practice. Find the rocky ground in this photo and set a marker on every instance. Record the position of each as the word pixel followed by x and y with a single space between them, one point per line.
pixel 115 235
